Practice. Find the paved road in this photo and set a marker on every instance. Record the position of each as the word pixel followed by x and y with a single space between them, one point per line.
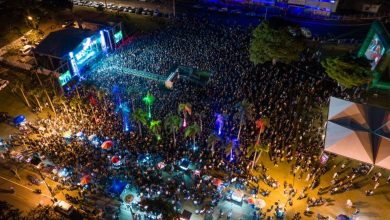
pixel 23 198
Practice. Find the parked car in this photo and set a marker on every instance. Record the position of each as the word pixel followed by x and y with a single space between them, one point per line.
pixel 4 116
pixel 3 83
pixel 223 10
pixel 26 50
pixel 236 11
pixel 24 40
pixel 306 32
pixel 145 11
pixel 63 207
pixel 156 13
pixel 212 8
pixel 293 31
pixel 33 179
pixel 139 10
pixel 197 6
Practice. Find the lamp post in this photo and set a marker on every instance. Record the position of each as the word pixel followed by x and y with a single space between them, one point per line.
pixel 31 19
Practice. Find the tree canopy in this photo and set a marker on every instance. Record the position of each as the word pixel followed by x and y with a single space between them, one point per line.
pixel 268 44
pixel 348 71
pixel 159 205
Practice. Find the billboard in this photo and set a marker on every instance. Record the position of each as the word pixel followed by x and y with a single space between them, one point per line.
pixel 65 78
pixel 374 51
pixel 118 36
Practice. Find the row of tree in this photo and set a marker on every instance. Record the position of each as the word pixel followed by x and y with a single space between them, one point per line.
pixel 272 44
pixel 7 211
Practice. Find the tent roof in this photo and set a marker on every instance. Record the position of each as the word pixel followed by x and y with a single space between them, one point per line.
pixel 355 144
pixel 59 43
pixel 358 131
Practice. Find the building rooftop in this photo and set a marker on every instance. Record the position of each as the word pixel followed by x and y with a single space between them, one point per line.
pixel 60 43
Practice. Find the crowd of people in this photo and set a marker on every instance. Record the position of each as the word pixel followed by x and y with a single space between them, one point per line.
pixel 290 95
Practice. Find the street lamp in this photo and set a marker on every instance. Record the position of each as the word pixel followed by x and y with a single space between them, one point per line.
pixel 30 18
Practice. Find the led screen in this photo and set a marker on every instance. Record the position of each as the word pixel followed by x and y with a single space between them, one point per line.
pixel 375 51
pixel 65 78
pixel 118 36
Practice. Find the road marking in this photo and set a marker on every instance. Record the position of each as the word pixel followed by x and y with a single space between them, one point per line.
pixel 23 186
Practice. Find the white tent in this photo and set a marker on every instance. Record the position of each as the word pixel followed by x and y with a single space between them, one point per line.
pixel 360 132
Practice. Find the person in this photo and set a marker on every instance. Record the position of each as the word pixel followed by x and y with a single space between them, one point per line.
pixel 349 204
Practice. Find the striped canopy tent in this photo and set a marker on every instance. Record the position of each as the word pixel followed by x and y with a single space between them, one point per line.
pixel 360 132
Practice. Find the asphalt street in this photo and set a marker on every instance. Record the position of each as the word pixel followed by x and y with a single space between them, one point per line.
pixel 23 197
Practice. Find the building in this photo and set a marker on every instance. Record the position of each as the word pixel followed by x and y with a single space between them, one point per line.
pixel 315 7
pixel 67 52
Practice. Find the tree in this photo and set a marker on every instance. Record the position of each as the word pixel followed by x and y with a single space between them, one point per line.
pixel 8 212
pixel 172 125
pixel 149 100
pixel 36 92
pixel 44 213
pixel 61 100
pixel 19 85
pixel 245 112
pixel 261 124
pixel 347 71
pixel 101 96
pixel 212 140
pixel 155 128
pixel 191 132
pixel 159 205
pixel 75 103
pixel 200 116
pixel 184 108
pixel 140 117
pixel 268 44
pixel 255 151
pixel 229 150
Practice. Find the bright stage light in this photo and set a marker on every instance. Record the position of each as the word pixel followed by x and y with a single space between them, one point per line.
pixel 73 64
pixel 103 41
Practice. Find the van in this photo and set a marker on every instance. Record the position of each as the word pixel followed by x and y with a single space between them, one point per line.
pixel 63 207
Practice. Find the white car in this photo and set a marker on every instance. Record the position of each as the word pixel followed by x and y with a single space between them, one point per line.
pixel 306 32
pixel 26 50
pixel 63 207
pixel 3 83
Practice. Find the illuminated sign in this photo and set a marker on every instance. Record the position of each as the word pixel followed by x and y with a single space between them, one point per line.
pixel 86 52
pixel 65 78
pixel 73 64
pixel 118 36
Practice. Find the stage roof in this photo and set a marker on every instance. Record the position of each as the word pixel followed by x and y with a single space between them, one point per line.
pixel 358 131
pixel 60 43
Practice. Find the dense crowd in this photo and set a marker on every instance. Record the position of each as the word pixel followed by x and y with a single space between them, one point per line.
pixel 291 96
